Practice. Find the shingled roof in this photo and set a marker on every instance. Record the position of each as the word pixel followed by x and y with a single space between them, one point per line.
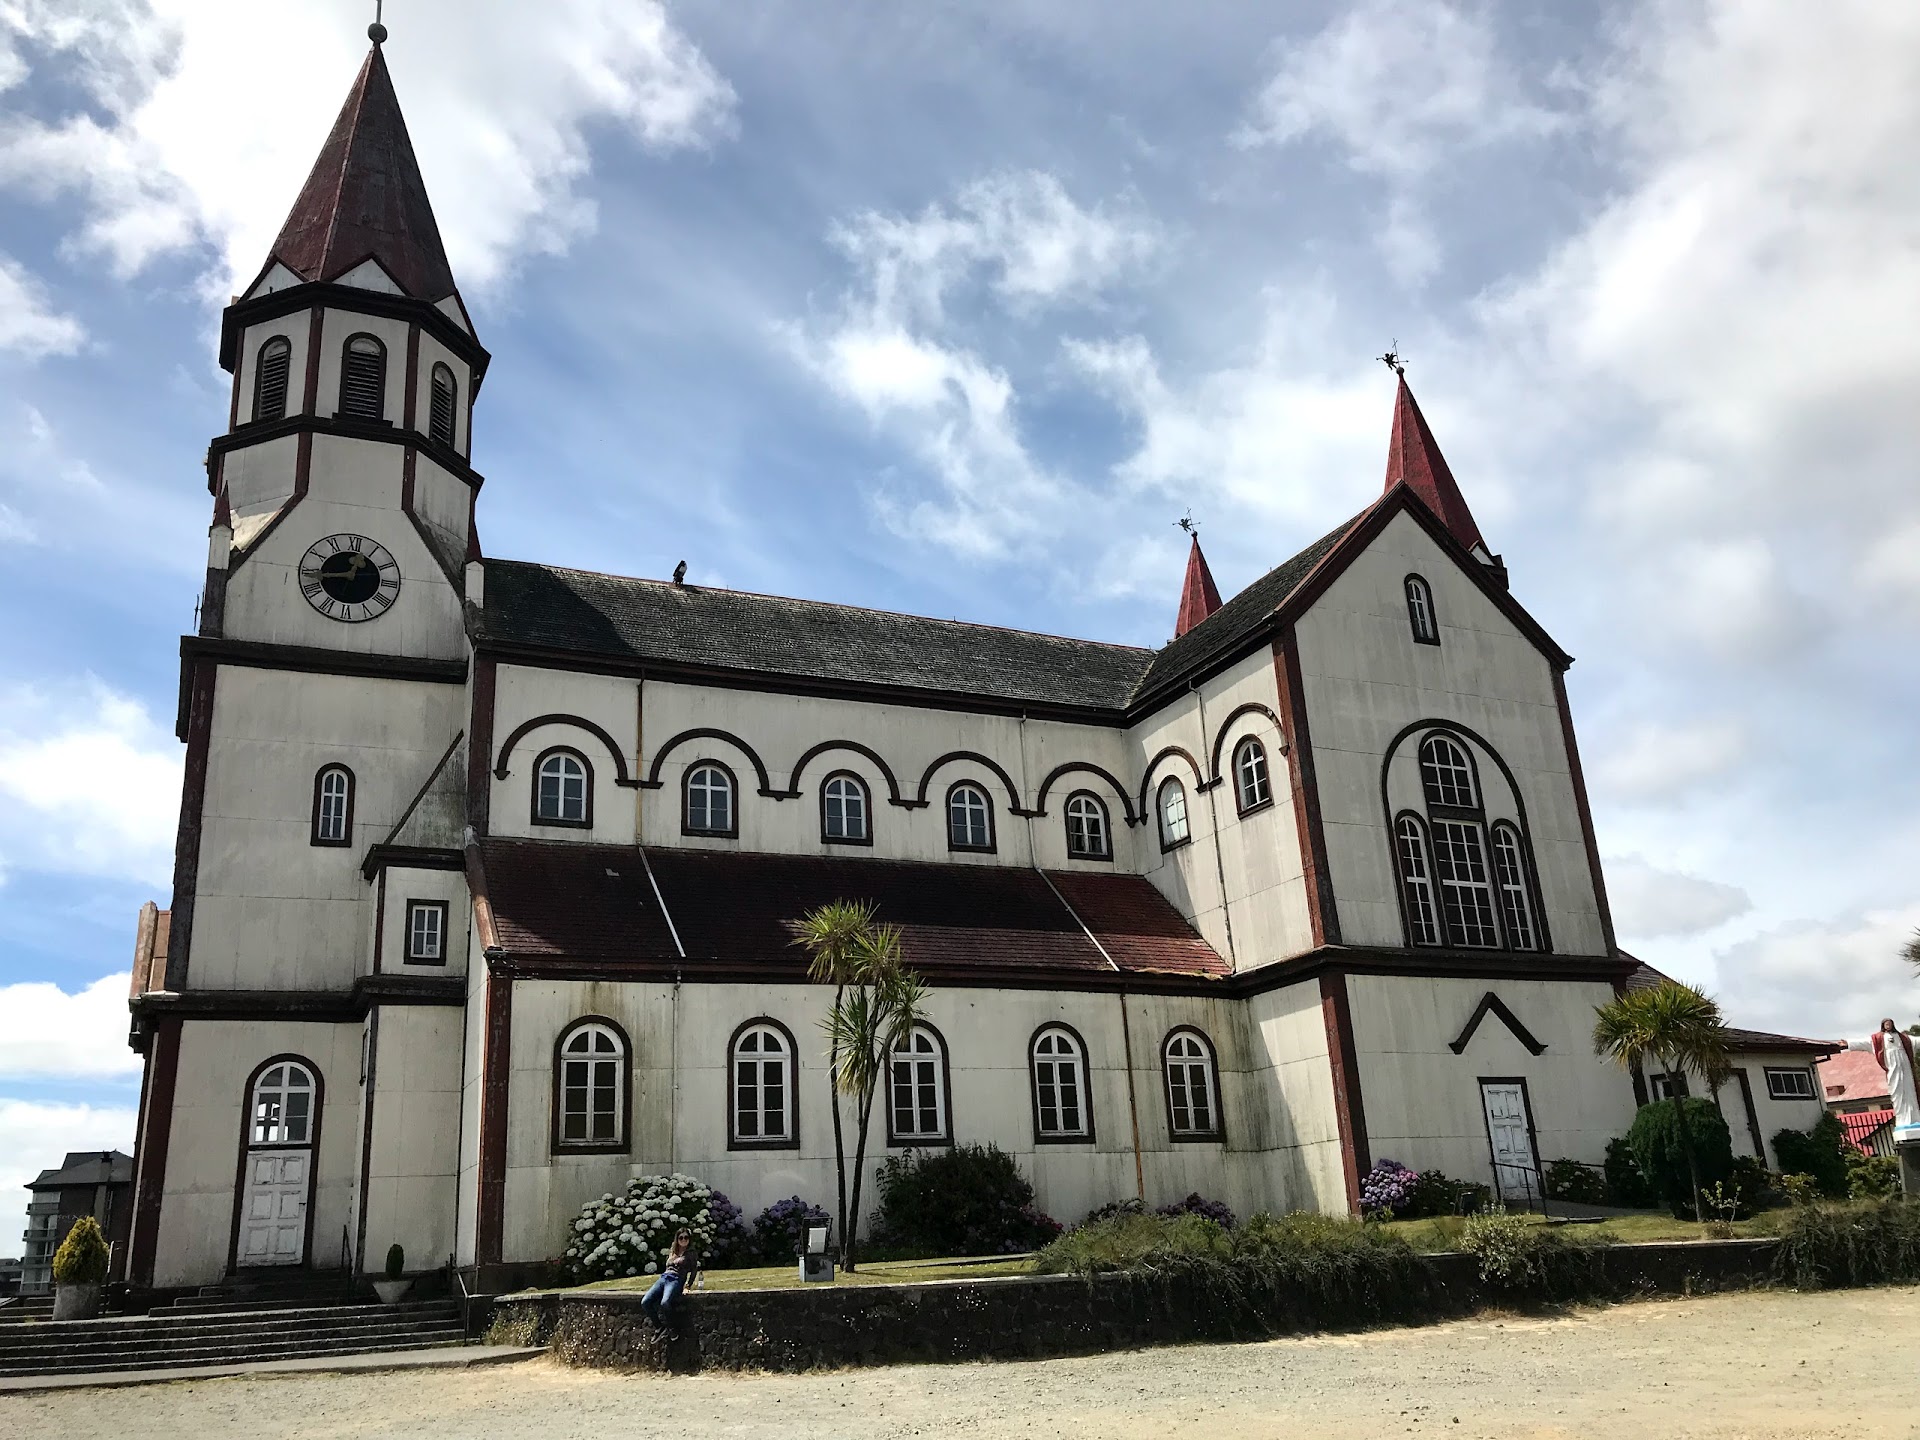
pixel 1645 977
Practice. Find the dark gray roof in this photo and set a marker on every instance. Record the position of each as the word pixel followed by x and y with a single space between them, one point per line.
pixel 86 1167
pixel 548 607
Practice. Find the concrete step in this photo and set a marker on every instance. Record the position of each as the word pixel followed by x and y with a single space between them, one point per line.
pixel 194 1359
pixel 195 1304
pixel 125 1329
pixel 78 1346
pixel 32 1349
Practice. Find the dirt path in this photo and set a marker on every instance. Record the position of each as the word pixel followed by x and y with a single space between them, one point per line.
pixel 1750 1366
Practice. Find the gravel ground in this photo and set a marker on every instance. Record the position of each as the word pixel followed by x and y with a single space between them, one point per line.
pixel 1751 1366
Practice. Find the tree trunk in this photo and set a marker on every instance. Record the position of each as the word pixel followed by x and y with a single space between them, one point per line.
pixel 847 1261
pixel 1686 1144
pixel 833 1090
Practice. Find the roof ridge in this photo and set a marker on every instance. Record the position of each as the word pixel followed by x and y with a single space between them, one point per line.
pixel 353 129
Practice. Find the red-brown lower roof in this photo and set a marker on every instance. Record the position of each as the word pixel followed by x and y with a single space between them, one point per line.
pixel 594 903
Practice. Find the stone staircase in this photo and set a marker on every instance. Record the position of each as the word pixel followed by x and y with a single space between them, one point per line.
pixel 184 1336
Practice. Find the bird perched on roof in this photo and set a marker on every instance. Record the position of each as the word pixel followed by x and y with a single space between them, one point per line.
pixel 680 573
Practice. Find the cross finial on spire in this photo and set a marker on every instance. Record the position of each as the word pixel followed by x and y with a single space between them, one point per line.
pixel 1392 360
pixel 376 32
pixel 1187 523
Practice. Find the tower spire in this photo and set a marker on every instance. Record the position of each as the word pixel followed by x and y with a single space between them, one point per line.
pixel 1414 458
pixel 1199 597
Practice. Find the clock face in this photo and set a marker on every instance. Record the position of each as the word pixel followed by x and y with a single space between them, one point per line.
pixel 349 577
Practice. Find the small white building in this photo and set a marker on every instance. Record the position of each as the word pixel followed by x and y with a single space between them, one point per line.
pixel 487 868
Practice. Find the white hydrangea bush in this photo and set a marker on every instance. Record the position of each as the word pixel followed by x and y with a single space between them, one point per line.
pixel 624 1235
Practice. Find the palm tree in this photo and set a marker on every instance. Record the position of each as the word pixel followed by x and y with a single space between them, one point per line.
pixel 1680 1029
pixel 1910 952
pixel 876 1004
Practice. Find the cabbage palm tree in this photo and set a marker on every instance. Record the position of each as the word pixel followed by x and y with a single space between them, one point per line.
pixel 1680 1029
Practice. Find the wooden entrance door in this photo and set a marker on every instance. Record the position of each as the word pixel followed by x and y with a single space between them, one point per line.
pixel 1516 1170
pixel 273 1214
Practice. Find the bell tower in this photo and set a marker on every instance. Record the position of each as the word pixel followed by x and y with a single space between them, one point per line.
pixel 343 487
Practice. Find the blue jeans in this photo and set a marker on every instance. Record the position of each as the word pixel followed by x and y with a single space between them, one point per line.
pixel 658 1301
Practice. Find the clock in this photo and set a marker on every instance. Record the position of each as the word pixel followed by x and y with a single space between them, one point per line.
pixel 349 577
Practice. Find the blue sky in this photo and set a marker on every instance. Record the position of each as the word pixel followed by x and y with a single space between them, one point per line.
pixel 957 310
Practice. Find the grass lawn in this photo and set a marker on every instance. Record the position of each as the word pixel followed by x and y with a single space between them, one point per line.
pixel 871 1272
pixel 1444 1234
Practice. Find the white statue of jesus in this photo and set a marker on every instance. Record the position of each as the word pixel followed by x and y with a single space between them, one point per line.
pixel 1894 1051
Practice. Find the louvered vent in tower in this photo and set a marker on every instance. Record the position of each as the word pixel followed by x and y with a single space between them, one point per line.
pixel 270 380
pixel 440 415
pixel 363 379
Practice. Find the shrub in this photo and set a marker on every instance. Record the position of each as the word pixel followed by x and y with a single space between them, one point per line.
pixel 1753 1184
pixel 396 1261
pixel 780 1231
pixel 1627 1187
pixel 1816 1152
pixel 1386 1190
pixel 1872 1177
pixel 1655 1138
pixel 1520 1256
pixel 1874 1243
pixel 83 1256
pixel 967 1200
pixel 1576 1182
pixel 1113 1209
pixel 629 1234
pixel 1217 1211
pixel 1392 1191
pixel 1800 1189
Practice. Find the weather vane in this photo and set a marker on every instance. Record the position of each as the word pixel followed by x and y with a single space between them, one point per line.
pixel 1392 360
pixel 1187 523
pixel 377 32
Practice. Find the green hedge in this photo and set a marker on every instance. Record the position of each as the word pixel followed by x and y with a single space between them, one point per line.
pixel 1875 1243
pixel 1819 1152
pixel 1655 1142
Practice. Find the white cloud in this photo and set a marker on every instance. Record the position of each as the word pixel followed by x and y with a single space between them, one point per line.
pixel 1651 903
pixel 498 102
pixel 36 1137
pixel 28 325
pixel 45 1032
pixel 91 785
pixel 1659 761
pixel 1832 979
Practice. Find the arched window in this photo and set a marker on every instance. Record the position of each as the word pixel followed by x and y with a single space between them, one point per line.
pixel 1061 1106
pixel 1416 880
pixel 1251 787
pixel 1510 869
pixel 363 379
pixel 709 807
pixel 333 806
pixel 590 1065
pixel 282 1106
pixel 440 403
pixel 1426 628
pixel 1089 836
pixel 917 1090
pixel 562 789
pixel 844 810
pixel 1447 774
pixel 969 818
pixel 1454 818
pixel 1172 805
pixel 270 369
pixel 760 1086
pixel 1193 1085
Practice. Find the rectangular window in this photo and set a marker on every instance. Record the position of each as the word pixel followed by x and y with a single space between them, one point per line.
pixel 916 1099
pixel 1662 1087
pixel 426 932
pixel 1466 896
pixel 1790 1085
pixel 1058 1084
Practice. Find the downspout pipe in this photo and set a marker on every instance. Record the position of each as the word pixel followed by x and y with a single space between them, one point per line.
pixel 1213 812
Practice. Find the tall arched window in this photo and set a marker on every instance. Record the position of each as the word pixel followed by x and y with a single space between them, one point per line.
pixel 1089 835
pixel 1416 880
pixel 760 1088
pixel 333 806
pixel 708 808
pixel 363 378
pixel 1193 1085
pixel 1446 773
pixel 969 818
pixel 1062 1109
pixel 917 1090
pixel 1426 627
pixel 562 789
pixel 1251 785
pixel 282 1107
pixel 270 370
pixel 590 1070
pixel 440 406
pixel 1172 805
pixel 1454 819
pixel 844 810
pixel 1515 878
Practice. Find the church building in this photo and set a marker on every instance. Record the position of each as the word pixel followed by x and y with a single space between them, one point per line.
pixel 488 869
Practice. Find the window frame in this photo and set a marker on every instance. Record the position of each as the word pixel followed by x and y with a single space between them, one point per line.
pixel 1415 591
pixel 897 1140
pixel 791 1141
pixel 733 801
pixel 443 909
pixel 255 417
pixel 1105 818
pixel 1210 1063
pixel 866 810
pixel 1084 1065
pixel 341 412
pixel 1172 782
pixel 1436 919
pixel 986 799
pixel 250 1114
pixel 345 838
pixel 1660 1085
pixel 1796 1072
pixel 1471 830
pixel 558 1144
pixel 1242 807
pixel 1475 808
pixel 586 808
pixel 452 438
pixel 1527 890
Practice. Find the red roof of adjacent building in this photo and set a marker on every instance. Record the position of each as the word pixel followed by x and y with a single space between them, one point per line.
pixel 1859 1126
pixel 1199 597
pixel 1851 1076
pixel 1414 458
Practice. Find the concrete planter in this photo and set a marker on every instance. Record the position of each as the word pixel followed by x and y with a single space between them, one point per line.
pixel 392 1292
pixel 76 1302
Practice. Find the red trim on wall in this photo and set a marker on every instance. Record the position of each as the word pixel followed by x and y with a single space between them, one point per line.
pixel 156 1102
pixel 1349 1111
pixel 1306 809
pixel 379 917
pixel 186 848
pixel 310 402
pixel 496 1063
pixel 413 374
pixel 480 744
pixel 1586 811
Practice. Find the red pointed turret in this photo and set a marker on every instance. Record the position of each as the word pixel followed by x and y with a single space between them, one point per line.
pixel 1199 597
pixel 365 198
pixel 1414 456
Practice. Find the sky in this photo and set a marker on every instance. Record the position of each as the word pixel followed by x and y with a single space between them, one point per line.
pixel 958 309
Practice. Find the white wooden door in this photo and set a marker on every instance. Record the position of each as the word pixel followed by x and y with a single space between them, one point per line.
pixel 1515 1173
pixel 273 1215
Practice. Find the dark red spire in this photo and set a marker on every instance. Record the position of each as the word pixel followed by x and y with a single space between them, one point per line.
pixel 365 198
pixel 1414 456
pixel 1199 597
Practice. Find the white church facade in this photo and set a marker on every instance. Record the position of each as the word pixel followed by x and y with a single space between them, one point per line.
pixel 487 869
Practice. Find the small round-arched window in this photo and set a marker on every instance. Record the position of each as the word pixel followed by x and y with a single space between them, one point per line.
pixel 1251 785
pixel 969 818
pixel 844 810
pixel 562 790
pixel 1089 836
pixel 1173 814
pixel 282 1105
pixel 709 800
